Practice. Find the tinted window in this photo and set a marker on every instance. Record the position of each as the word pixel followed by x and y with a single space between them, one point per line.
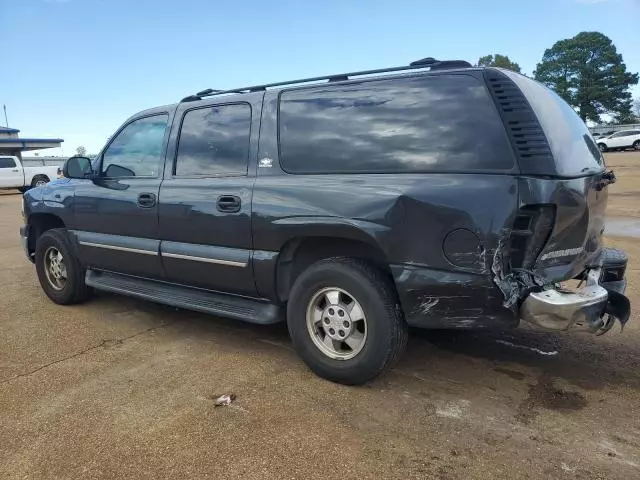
pixel 137 150
pixel 7 162
pixel 573 148
pixel 214 141
pixel 425 123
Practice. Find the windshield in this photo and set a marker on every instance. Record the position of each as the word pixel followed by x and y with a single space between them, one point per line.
pixel 574 150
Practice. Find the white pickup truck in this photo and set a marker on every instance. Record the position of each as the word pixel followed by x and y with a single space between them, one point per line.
pixel 14 175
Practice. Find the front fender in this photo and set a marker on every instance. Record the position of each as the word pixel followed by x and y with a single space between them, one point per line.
pixel 55 198
pixel 31 201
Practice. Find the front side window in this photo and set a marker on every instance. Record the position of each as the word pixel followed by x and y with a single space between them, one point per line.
pixel 439 123
pixel 137 150
pixel 6 162
pixel 214 141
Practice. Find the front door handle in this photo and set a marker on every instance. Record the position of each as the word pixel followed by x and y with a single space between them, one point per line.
pixel 229 204
pixel 146 200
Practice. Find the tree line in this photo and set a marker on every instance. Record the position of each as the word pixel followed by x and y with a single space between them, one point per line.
pixel 587 72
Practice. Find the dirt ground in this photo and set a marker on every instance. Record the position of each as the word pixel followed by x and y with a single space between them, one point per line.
pixel 119 388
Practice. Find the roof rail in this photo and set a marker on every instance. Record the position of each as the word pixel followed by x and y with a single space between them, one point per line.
pixel 428 62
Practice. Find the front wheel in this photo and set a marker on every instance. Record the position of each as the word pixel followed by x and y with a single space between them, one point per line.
pixel 39 180
pixel 636 145
pixel 602 147
pixel 59 270
pixel 345 320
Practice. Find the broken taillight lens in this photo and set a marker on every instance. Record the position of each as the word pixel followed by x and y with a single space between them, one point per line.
pixel 531 230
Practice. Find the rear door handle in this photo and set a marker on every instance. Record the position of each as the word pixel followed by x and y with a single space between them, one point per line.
pixel 15 170
pixel 228 204
pixel 146 200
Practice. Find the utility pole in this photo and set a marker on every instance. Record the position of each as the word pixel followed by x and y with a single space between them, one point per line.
pixel 5 115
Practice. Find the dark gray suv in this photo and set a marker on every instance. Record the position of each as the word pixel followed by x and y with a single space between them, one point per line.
pixel 433 195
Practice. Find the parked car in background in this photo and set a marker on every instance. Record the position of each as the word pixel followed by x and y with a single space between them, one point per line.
pixel 433 195
pixel 620 141
pixel 13 174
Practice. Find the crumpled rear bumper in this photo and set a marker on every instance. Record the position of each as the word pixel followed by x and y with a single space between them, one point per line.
pixel 593 308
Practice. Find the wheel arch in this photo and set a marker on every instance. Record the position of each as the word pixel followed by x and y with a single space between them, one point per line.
pixel 37 176
pixel 300 252
pixel 40 223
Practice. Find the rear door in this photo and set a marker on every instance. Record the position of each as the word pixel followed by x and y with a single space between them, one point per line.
pixel 11 174
pixel 632 137
pixel 205 199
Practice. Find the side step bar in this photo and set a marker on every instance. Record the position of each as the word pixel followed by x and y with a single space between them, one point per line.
pixel 248 310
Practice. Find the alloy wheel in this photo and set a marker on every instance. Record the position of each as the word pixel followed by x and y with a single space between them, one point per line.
pixel 337 323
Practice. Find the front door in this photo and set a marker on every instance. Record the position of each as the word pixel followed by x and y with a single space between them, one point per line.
pixel 11 175
pixel 617 140
pixel 116 213
pixel 205 199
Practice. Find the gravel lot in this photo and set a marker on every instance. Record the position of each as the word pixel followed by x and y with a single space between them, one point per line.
pixel 119 388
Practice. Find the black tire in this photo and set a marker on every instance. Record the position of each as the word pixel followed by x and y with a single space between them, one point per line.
pixel 74 289
pixel 603 148
pixel 387 330
pixel 23 189
pixel 636 145
pixel 37 179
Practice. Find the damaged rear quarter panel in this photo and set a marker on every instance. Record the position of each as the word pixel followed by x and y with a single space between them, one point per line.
pixel 408 217
pixel 576 239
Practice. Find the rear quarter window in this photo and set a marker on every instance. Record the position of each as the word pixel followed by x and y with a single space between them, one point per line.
pixel 574 151
pixel 428 123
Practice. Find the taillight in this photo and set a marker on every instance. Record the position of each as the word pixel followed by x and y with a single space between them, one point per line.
pixel 531 230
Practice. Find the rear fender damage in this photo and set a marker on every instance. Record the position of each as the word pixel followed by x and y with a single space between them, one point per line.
pixel 515 285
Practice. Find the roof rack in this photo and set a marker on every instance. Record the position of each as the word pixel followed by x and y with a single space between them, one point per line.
pixel 428 62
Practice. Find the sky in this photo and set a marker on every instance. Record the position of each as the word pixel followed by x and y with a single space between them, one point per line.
pixel 76 69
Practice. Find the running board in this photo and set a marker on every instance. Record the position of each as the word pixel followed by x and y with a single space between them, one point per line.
pixel 248 310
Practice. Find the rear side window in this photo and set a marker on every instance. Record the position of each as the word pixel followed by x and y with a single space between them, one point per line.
pixel 439 123
pixel 6 162
pixel 574 151
pixel 214 141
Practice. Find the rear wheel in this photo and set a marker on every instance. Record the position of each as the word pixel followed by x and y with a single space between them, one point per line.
pixel 59 271
pixel 602 147
pixel 636 145
pixel 345 320
pixel 39 180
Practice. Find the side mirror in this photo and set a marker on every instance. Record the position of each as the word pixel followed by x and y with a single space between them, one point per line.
pixel 77 167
